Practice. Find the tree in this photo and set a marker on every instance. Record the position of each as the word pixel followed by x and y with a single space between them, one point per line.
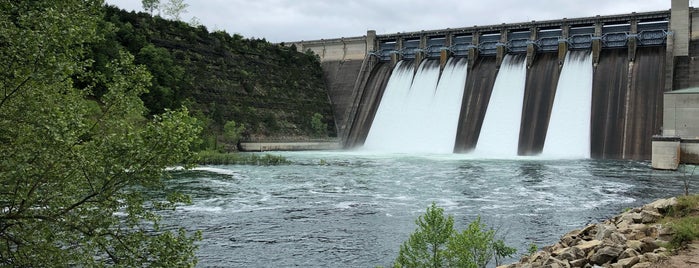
pixel 150 5
pixel 75 166
pixel 436 243
pixel 427 245
pixel 232 132
pixel 174 9
pixel 320 129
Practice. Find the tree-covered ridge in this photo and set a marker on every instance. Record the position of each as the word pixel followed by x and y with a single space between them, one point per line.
pixel 271 89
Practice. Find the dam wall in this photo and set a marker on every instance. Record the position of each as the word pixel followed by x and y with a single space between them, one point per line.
pixel 636 57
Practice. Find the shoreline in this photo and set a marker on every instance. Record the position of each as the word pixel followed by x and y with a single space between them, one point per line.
pixel 637 238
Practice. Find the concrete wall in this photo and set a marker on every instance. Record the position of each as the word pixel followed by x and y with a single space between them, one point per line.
pixel 680 27
pixel 666 153
pixel 341 49
pixel 681 115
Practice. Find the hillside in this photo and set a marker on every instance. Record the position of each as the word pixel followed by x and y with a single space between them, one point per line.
pixel 272 89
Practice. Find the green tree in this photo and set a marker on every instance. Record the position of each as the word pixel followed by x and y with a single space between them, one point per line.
pixel 175 8
pixel 427 245
pixel 320 129
pixel 150 5
pixel 436 243
pixel 74 165
pixel 232 132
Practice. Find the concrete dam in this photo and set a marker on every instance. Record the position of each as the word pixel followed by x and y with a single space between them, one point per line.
pixel 585 87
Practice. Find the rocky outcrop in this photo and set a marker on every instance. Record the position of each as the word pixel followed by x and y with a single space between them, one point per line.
pixel 632 239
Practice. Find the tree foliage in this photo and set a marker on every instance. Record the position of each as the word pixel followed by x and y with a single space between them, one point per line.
pixel 436 243
pixel 75 163
pixel 150 5
pixel 320 129
pixel 174 9
pixel 272 89
pixel 426 247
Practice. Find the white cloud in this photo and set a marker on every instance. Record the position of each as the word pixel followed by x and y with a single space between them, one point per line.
pixel 287 20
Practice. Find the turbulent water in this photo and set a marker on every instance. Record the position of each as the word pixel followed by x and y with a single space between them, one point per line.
pixel 351 209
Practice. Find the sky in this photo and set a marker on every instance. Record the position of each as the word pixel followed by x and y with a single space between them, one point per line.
pixel 297 20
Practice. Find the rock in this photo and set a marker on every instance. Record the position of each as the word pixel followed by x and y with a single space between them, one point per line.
pixel 665 233
pixel 571 239
pixel 616 239
pixel 606 254
pixel 553 263
pixel 648 245
pixel 604 231
pixel 642 265
pixel 588 246
pixel 578 263
pixel 628 253
pixel 627 262
pixel 571 254
pixel 588 232
pixel 648 216
pixel 651 257
pixel 662 206
pixel 635 245
pixel 507 266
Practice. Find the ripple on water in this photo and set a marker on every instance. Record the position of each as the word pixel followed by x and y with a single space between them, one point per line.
pixel 354 210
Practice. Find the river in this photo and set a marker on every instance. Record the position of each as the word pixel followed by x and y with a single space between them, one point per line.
pixel 349 209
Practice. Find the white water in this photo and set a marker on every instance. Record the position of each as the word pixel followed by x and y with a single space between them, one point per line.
pixel 569 127
pixel 499 135
pixel 419 114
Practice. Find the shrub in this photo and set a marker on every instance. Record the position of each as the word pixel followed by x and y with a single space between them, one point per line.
pixel 436 243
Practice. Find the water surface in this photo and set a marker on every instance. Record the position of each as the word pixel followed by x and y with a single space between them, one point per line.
pixel 345 209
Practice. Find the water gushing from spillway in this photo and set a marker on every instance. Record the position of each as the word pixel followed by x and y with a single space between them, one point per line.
pixel 419 113
pixel 569 127
pixel 499 135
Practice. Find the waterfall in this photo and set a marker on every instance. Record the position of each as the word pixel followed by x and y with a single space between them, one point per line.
pixel 419 114
pixel 499 135
pixel 569 128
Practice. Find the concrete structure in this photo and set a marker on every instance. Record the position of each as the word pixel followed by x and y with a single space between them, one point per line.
pixel 666 153
pixel 681 125
pixel 288 146
pixel 348 62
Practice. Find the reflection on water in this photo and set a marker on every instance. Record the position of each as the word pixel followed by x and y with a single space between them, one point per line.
pixel 354 210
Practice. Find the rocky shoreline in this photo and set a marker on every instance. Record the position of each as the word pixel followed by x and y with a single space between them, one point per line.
pixel 633 239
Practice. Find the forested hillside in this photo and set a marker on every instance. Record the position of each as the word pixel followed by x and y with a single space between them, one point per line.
pixel 273 90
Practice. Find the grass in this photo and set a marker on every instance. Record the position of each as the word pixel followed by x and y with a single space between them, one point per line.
pixel 218 158
pixel 684 220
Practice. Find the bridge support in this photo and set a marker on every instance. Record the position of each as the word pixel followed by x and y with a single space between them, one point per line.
pixel 501 48
pixel 597 44
pixel 531 48
pixel 632 40
pixel 563 44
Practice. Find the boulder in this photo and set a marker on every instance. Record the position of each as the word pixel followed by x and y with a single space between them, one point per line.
pixel 606 254
pixel 648 216
pixel 604 231
pixel 578 263
pixel 626 263
pixel 556 263
pixel 635 245
pixel 662 206
pixel 642 265
pixel 628 253
pixel 571 254
pixel 588 246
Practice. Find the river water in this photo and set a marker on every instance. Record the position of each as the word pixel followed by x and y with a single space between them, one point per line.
pixel 347 209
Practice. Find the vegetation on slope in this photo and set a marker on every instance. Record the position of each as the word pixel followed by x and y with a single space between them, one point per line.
pixel 270 89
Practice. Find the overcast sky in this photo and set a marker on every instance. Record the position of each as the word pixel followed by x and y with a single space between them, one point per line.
pixel 295 20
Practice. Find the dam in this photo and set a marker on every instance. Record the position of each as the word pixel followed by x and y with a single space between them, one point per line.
pixel 583 87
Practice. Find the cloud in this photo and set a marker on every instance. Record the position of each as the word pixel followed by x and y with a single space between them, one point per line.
pixel 287 20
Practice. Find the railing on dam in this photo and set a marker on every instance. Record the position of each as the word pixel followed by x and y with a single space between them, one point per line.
pixel 643 29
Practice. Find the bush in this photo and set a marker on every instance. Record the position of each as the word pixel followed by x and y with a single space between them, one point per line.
pixel 436 243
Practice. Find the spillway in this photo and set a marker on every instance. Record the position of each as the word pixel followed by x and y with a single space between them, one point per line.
pixel 419 114
pixel 569 126
pixel 499 136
